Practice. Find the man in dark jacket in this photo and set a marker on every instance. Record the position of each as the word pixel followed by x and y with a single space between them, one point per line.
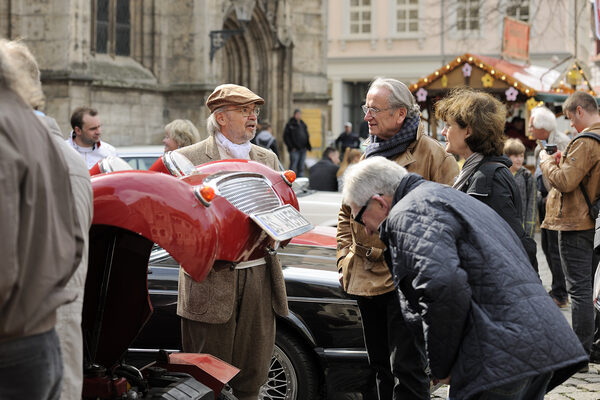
pixel 489 325
pixel 323 174
pixel 295 136
pixel 347 139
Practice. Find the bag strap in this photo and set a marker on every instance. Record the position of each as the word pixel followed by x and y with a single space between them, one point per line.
pixel 595 136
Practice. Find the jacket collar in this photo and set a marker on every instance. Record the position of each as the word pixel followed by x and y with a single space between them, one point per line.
pixel 407 184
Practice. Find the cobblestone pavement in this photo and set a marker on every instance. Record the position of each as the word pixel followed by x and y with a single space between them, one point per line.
pixel 581 386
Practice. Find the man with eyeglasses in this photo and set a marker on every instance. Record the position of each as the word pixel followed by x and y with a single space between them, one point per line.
pixel 464 279
pixel 395 347
pixel 231 314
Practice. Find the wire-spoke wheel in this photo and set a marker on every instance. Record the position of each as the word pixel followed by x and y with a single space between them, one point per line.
pixel 292 374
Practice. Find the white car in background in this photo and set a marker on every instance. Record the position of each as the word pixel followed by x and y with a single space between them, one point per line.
pixel 319 207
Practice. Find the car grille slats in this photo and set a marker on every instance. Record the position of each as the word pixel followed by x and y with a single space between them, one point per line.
pixel 248 194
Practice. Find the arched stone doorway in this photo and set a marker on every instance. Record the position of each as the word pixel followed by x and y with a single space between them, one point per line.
pixel 258 60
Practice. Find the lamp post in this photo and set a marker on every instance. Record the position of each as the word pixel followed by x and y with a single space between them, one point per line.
pixel 243 13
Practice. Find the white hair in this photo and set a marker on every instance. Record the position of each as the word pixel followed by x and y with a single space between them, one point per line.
pixel 400 96
pixel 212 126
pixel 375 175
pixel 15 78
pixel 543 118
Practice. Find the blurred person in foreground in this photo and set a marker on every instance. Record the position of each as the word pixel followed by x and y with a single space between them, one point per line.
pixel 351 157
pixel 322 175
pixel 396 351
pixel 515 150
pixel 85 136
pixel 231 314
pixel 180 133
pixel 474 128
pixel 489 335
pixel 68 325
pixel 542 128
pixel 41 242
pixel 567 212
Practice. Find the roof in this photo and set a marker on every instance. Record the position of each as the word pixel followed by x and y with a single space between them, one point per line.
pixel 529 80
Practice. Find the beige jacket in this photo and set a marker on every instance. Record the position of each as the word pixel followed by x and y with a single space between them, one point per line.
pixel 212 300
pixel 566 208
pixel 41 242
pixel 360 256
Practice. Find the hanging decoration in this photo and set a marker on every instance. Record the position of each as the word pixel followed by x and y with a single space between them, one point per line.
pixel 467 69
pixel 533 103
pixel 487 81
pixel 444 81
pixel 421 95
pixel 511 94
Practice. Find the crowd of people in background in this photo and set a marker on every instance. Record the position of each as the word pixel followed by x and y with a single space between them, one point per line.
pixel 441 260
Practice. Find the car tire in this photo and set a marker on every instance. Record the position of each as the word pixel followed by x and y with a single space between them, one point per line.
pixel 292 374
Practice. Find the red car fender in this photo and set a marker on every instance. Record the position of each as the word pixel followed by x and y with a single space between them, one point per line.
pixel 162 209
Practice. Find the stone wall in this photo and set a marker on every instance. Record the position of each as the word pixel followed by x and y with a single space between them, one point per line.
pixel 169 74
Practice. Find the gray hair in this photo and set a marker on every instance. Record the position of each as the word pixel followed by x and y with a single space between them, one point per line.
pixel 543 118
pixel 12 76
pixel 183 132
pixel 375 175
pixel 212 126
pixel 400 96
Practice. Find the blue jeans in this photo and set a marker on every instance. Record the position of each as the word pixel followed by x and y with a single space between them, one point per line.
pixel 577 258
pixel 532 388
pixel 31 367
pixel 297 159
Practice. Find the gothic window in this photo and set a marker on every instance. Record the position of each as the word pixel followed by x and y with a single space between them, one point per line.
pixel 360 17
pixel 467 15
pixel 112 27
pixel 518 9
pixel 407 16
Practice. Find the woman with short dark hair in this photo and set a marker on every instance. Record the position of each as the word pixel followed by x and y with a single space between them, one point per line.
pixel 474 131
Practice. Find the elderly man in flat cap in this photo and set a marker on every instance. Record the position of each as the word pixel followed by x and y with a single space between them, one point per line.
pixel 231 314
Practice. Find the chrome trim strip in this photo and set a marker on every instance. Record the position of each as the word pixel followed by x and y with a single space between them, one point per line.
pixel 321 300
pixel 324 258
pixel 152 350
pixel 343 353
pixel 162 291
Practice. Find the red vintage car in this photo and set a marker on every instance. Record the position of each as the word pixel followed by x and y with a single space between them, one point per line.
pixel 232 211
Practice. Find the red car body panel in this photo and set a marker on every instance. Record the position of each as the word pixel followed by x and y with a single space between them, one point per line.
pixel 164 210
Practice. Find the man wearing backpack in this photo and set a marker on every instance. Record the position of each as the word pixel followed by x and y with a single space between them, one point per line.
pixel 573 178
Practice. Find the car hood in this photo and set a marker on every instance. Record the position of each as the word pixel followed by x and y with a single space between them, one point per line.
pixel 135 209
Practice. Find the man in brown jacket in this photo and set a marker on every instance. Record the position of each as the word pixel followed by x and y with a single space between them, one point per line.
pixel 567 211
pixel 41 242
pixel 231 314
pixel 396 350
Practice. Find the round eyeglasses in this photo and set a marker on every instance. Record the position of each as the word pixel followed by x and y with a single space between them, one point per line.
pixel 247 111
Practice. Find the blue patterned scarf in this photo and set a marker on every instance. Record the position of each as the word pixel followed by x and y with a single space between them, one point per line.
pixel 398 143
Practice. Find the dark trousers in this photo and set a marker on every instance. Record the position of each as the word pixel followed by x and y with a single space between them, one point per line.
pixel 550 248
pixel 31 368
pixel 579 264
pixel 396 353
pixel 532 388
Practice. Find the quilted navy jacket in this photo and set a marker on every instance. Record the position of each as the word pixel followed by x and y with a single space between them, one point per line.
pixel 461 269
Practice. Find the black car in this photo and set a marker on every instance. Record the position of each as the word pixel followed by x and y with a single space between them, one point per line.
pixel 319 347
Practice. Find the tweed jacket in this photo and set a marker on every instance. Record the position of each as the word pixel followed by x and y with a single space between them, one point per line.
pixel 360 256
pixel 212 300
pixel 566 209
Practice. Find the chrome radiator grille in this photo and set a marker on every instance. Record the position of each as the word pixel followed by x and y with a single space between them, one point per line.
pixel 250 193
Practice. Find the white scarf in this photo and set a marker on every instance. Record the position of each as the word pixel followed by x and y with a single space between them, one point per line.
pixel 241 151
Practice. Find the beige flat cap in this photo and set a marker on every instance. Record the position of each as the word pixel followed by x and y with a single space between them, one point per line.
pixel 231 95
